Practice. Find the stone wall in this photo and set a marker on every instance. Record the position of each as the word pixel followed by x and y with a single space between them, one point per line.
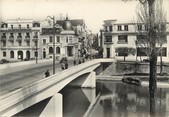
pixel 121 68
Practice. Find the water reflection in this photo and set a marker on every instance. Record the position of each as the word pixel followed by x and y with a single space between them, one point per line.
pixel 122 100
pixel 76 101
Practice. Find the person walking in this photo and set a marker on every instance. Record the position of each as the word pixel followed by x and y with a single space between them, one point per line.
pixel 62 67
pixel 47 73
pixel 80 62
pixel 66 65
pixel 74 62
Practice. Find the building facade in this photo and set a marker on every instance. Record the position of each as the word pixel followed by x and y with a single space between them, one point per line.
pixel 20 39
pixel 69 38
pixel 124 35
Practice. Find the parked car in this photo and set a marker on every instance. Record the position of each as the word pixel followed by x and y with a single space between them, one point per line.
pixel 26 59
pixel 146 60
pixel 4 61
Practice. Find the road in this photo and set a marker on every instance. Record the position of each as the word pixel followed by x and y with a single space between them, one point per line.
pixel 13 81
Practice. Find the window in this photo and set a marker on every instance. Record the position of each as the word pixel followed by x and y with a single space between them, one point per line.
pixel 126 27
pixel 11 35
pixel 4 54
pixel 11 26
pixel 19 43
pixel 139 27
pixel 108 39
pixel 19 26
pixel 58 50
pixel 36 24
pixel 12 43
pixel 27 35
pixel 58 39
pixel 142 51
pixel 164 52
pixel 50 39
pixel 28 43
pixel 119 27
pixel 11 54
pixel 19 35
pixel 110 28
pixel 27 26
pixel 50 50
pixel 70 39
pixel 4 35
pixel 122 39
pixel 67 39
pixel 36 54
pixel 3 43
pixel 44 41
pixel 36 43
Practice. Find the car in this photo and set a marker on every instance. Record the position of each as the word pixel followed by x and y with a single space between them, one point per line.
pixel 26 59
pixel 146 60
pixel 4 61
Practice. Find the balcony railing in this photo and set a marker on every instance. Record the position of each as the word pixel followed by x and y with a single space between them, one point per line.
pixel 122 42
pixel 19 37
pixel 11 37
pixel 3 37
pixel 22 28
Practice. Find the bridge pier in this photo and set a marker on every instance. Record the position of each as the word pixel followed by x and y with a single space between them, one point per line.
pixel 54 108
pixel 86 81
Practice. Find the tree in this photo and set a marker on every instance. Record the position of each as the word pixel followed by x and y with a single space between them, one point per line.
pixel 125 51
pixel 152 34
pixel 143 37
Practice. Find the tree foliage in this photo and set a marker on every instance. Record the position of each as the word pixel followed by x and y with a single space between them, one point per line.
pixel 159 26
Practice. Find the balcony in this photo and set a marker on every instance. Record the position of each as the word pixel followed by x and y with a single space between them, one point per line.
pixel 19 38
pixel 11 37
pixel 19 29
pixel 3 38
pixel 27 38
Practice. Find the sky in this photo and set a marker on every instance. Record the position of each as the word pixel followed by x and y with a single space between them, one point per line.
pixel 94 12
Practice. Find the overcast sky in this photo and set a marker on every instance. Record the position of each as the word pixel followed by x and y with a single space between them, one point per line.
pixel 92 11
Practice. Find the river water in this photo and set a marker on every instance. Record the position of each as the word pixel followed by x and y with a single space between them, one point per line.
pixel 108 99
pixel 114 99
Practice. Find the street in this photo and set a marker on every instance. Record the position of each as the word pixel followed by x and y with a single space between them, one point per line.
pixel 16 80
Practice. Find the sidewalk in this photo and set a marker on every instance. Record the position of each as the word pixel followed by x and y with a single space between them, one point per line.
pixel 23 65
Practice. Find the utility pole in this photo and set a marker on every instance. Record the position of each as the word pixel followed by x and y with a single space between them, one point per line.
pixel 53 18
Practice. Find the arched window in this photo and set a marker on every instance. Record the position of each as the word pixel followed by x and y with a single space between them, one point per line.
pixel 11 54
pixel 58 50
pixel 50 50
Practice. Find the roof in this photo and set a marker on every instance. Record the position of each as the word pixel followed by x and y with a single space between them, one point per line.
pixel 74 22
pixel 48 31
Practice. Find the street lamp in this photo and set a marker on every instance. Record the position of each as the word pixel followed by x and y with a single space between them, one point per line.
pixel 36 44
pixel 53 18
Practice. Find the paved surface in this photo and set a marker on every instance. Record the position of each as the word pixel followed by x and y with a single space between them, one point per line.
pixel 12 81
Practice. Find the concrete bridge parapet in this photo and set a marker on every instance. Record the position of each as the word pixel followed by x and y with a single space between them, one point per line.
pixel 27 96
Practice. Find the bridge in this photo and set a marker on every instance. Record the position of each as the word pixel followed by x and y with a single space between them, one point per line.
pixel 83 75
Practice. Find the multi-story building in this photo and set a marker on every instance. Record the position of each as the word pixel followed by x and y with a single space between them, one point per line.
pixel 20 39
pixel 124 35
pixel 69 38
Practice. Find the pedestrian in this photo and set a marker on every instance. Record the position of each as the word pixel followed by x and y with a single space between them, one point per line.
pixel 62 67
pixel 83 60
pixel 66 65
pixel 47 73
pixel 74 62
pixel 80 62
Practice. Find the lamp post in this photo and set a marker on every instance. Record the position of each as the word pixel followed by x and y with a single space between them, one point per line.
pixel 36 44
pixel 53 18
